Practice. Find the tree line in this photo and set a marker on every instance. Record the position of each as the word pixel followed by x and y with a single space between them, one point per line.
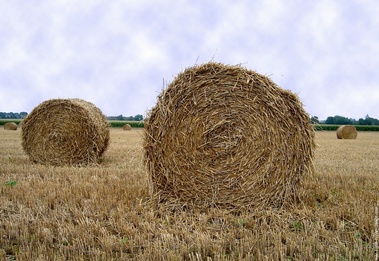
pixel 21 115
pixel 341 120
pixel 13 115
pixel 137 117
pixel 337 120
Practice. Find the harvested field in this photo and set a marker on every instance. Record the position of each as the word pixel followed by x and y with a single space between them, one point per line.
pixel 105 213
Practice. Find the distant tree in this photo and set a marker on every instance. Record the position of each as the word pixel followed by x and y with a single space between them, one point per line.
pixel 329 120
pixel 353 121
pixel 23 114
pixel 338 120
pixel 10 115
pixel 120 117
pixel 315 120
pixel 138 117
pixel 368 121
pixel 13 115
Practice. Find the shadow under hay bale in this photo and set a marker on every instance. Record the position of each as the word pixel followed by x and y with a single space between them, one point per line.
pixel 127 127
pixel 65 132
pixel 10 126
pixel 227 137
pixel 347 132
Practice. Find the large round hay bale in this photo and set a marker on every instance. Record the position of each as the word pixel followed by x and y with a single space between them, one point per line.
pixel 65 132
pixel 127 127
pixel 347 132
pixel 10 126
pixel 228 137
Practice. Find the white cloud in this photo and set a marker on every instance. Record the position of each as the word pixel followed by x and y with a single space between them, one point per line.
pixel 116 54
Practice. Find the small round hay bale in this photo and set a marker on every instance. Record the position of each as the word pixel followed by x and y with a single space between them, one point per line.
pixel 10 126
pixel 228 137
pixel 127 127
pixel 63 132
pixel 347 132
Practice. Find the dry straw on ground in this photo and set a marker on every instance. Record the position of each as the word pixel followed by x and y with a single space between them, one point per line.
pixel 65 132
pixel 127 127
pixel 228 137
pixel 347 132
pixel 10 126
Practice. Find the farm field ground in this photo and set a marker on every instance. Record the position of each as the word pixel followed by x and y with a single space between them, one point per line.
pixel 104 212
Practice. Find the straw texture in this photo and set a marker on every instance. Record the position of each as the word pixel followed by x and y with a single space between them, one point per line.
pixel 347 132
pixel 10 126
pixel 227 137
pixel 65 132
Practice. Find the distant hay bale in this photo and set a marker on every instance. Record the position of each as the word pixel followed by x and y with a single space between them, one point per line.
pixel 228 137
pixel 65 132
pixel 127 127
pixel 10 126
pixel 347 132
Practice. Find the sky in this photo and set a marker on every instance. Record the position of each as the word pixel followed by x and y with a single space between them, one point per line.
pixel 120 55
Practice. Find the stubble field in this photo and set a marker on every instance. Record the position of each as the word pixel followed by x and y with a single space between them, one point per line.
pixel 105 212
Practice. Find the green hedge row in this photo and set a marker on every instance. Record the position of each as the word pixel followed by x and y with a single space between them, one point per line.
pixel 140 124
pixel 3 121
pixel 116 124
pixel 317 127
pixel 120 124
pixel 330 127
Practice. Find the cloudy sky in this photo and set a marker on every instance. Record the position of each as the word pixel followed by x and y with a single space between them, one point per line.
pixel 119 54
